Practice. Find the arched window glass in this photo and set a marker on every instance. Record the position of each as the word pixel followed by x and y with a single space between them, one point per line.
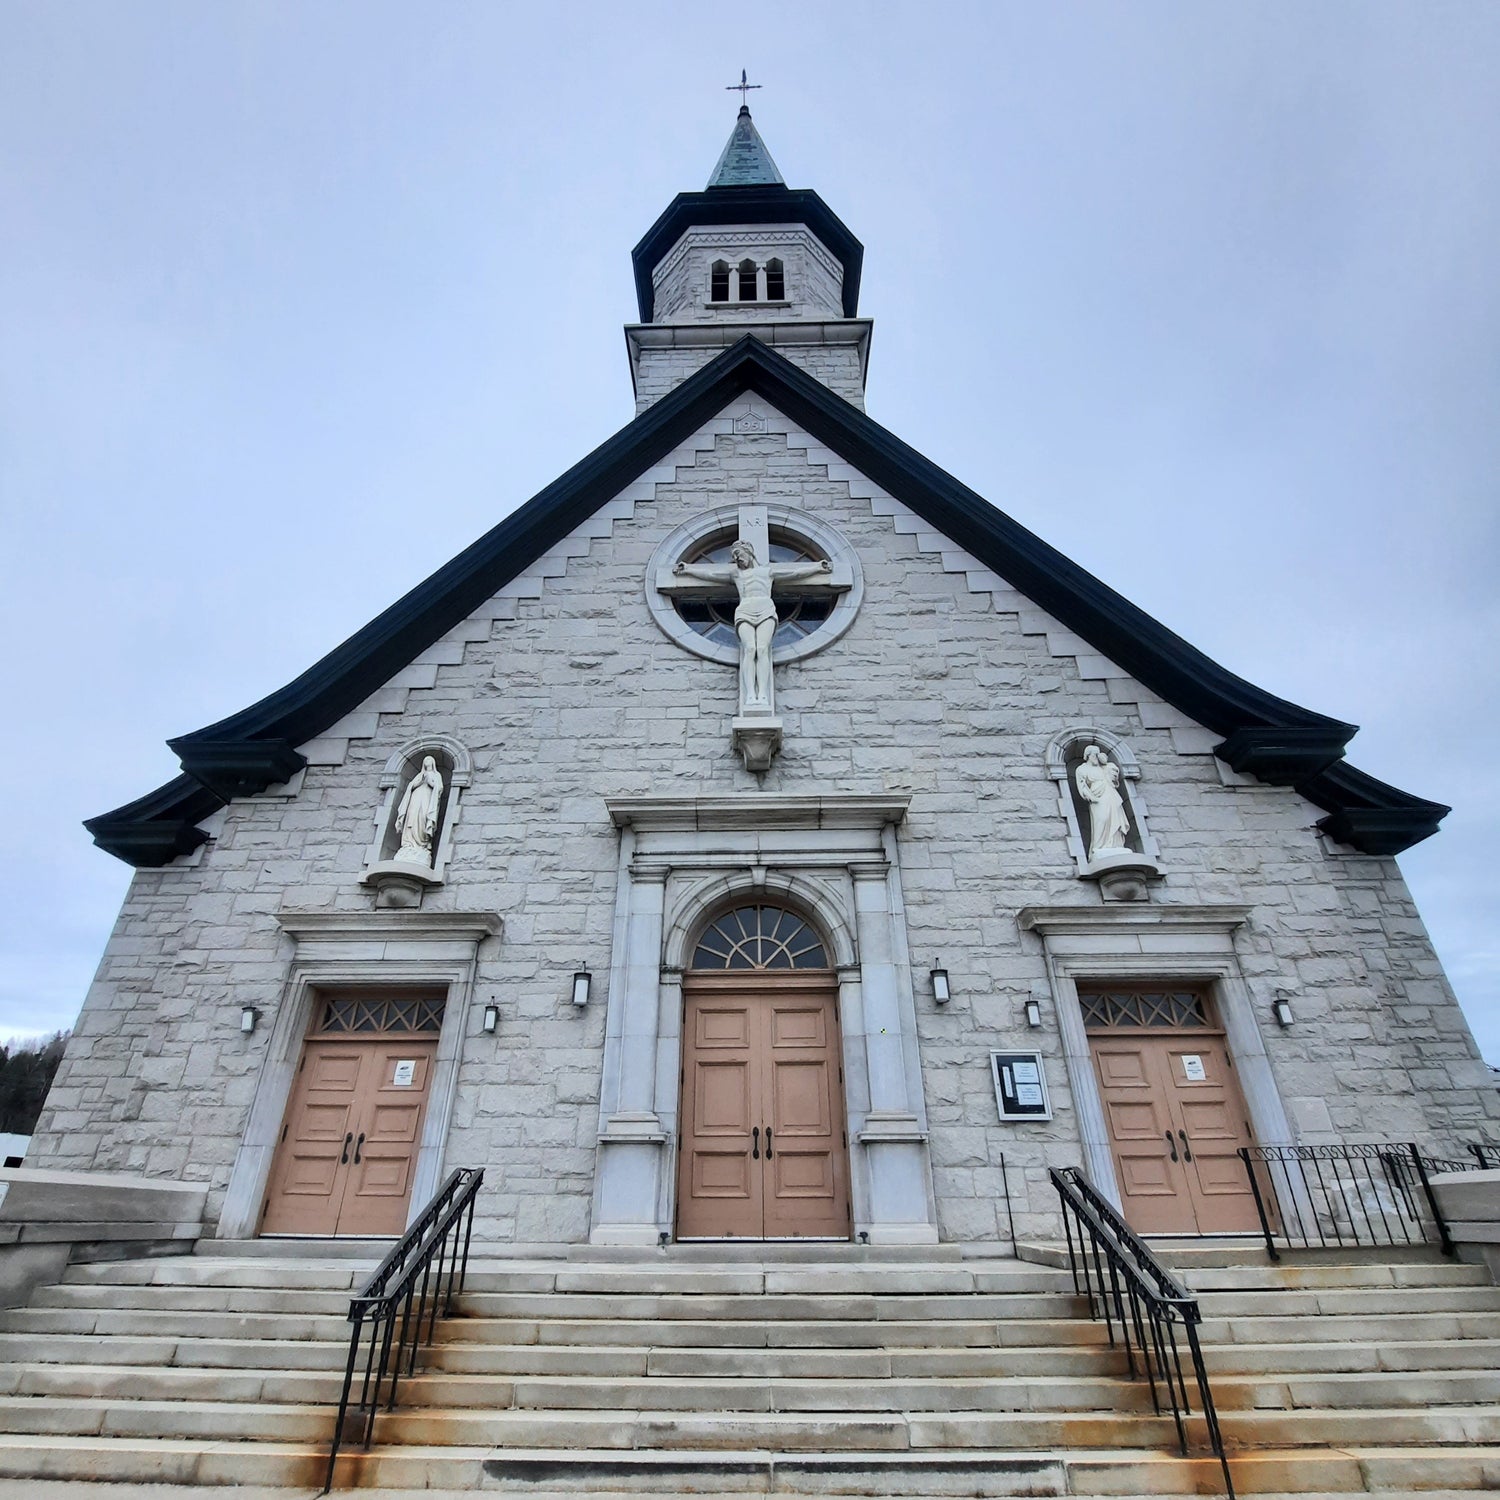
pixel 718 281
pixel 759 937
pixel 747 281
pixel 797 615
pixel 775 282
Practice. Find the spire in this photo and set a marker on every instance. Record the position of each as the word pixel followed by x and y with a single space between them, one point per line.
pixel 745 162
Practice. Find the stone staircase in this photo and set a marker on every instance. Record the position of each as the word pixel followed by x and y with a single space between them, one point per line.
pixel 798 1370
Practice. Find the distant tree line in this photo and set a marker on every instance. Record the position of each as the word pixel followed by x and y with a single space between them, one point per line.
pixel 26 1073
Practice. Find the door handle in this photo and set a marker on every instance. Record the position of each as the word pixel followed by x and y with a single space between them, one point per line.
pixel 344 1159
pixel 755 1146
pixel 1187 1151
pixel 1171 1146
pixel 769 1152
pixel 358 1145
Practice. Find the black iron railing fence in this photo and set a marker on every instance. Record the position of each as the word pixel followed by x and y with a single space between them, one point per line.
pixel 1486 1155
pixel 1136 1294
pixel 409 1290
pixel 1347 1195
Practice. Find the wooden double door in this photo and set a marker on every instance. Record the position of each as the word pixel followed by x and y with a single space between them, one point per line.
pixel 1174 1110
pixel 762 1150
pixel 348 1148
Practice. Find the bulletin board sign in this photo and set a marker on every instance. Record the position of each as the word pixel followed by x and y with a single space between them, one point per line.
pixel 1020 1085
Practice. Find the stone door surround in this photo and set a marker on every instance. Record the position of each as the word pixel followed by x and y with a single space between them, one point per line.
pixel 834 858
pixel 1175 944
pixel 360 950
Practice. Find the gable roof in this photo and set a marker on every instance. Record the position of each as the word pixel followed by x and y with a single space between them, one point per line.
pixel 1264 735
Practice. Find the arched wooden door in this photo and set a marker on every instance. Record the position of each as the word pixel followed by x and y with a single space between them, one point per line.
pixel 762 1148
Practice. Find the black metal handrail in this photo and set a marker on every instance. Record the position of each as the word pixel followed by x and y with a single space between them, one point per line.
pixel 406 1290
pixel 1125 1282
pixel 1486 1155
pixel 1345 1195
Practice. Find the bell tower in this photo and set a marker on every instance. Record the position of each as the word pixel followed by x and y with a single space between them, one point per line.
pixel 748 255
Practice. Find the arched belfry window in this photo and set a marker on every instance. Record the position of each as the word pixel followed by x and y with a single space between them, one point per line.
pixel 747 281
pixel 759 936
pixel 718 281
pixel 775 282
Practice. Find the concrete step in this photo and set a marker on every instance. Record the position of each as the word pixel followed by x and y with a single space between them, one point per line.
pixel 746 1394
pixel 1432 1354
pixel 869 1364
pixel 1407 1327
pixel 116 1349
pixel 170 1383
pixel 803 1280
pixel 194 1298
pixel 1278 1278
pixel 216 1421
pixel 1384 1389
pixel 782 1333
pixel 1357 1301
pixel 190 1270
pixel 820 1432
pixel 723 1308
pixel 180 1322
pixel 42 1467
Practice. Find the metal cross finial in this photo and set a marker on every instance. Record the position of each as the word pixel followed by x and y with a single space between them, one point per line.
pixel 744 86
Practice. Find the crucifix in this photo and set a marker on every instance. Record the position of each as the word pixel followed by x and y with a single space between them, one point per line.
pixel 756 731
pixel 743 86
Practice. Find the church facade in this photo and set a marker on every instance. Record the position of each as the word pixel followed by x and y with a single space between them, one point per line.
pixel 758 835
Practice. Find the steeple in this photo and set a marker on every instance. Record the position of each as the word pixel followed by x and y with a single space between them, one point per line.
pixel 745 161
pixel 750 255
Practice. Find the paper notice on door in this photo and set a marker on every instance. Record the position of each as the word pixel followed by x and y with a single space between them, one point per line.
pixel 1192 1068
pixel 1028 1093
pixel 406 1072
pixel 1027 1072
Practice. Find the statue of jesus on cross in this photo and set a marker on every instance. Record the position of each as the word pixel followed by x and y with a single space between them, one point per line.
pixel 755 619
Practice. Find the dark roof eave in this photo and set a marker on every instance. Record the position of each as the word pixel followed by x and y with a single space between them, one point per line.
pixel 758 204
pixel 1279 740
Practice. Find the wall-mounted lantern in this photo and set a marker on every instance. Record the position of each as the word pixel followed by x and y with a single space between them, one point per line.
pixel 1033 1014
pixel 941 994
pixel 1282 1010
pixel 249 1019
pixel 581 981
pixel 491 1018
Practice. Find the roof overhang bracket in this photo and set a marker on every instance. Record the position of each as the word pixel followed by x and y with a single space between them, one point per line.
pixel 1285 754
pixel 237 768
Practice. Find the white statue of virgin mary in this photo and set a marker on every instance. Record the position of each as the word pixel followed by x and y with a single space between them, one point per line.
pixel 1098 781
pixel 416 818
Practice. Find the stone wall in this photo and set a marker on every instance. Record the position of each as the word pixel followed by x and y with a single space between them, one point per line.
pixel 948 686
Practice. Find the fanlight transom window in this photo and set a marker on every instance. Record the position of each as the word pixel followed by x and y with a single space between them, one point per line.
pixel 376 1012
pixel 1145 1007
pixel 759 937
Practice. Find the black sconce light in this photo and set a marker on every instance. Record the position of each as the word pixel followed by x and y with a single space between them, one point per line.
pixel 491 1018
pixel 1282 1010
pixel 581 981
pixel 941 994
pixel 249 1019
pixel 1033 1014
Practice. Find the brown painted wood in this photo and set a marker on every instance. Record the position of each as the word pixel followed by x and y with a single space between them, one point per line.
pixel 345 1089
pixel 1155 1111
pixel 763 1154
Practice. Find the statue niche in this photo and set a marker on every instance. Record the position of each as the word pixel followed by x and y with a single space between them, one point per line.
pixel 1098 794
pixel 414 825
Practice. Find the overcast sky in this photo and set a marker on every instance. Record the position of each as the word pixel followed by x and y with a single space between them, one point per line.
pixel 1207 295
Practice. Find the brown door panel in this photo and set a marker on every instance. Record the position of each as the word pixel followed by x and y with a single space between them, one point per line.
pixel 762 1149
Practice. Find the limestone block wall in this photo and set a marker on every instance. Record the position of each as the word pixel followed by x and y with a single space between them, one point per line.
pixel 836 365
pixel 948 687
